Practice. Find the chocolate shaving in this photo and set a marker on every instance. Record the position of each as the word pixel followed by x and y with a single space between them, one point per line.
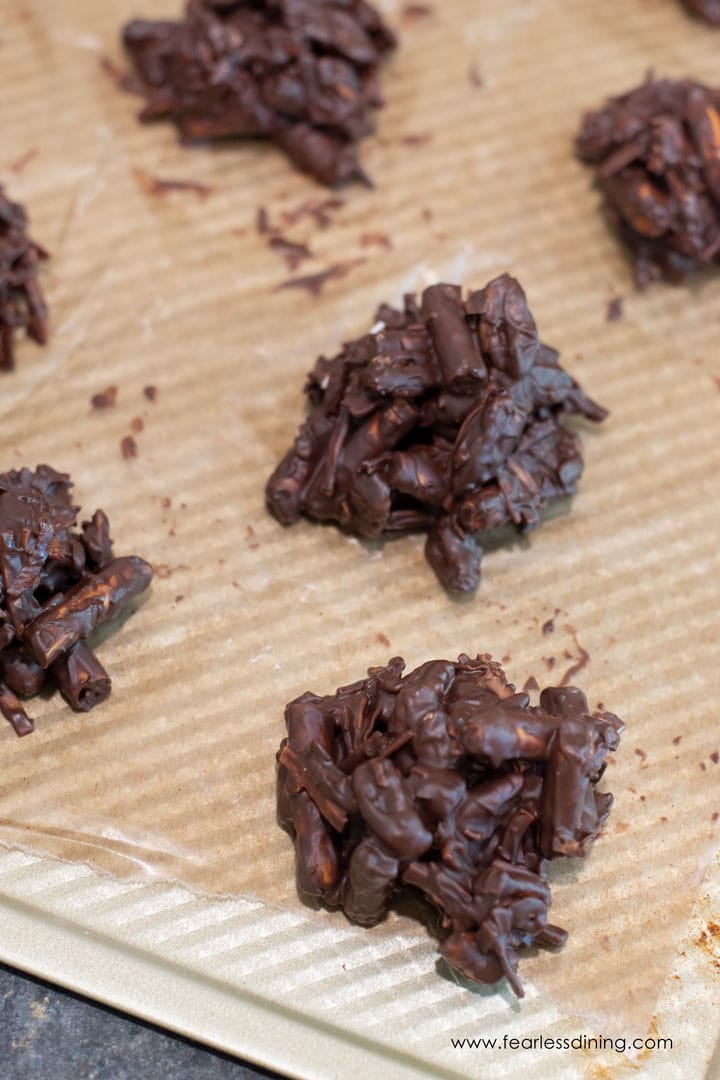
pixel 56 586
pixel 447 780
pixel 302 73
pixel 22 306
pixel 657 153
pixel 446 417
pixel 315 283
pixel 155 185
pixel 614 312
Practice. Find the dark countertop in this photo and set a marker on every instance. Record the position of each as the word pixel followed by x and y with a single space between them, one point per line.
pixel 52 1034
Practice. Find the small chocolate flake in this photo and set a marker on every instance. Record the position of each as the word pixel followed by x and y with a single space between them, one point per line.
pixel 128 447
pixel 105 399
pixel 715 757
pixel 703 766
pixel 549 626
pixel 376 239
pixel 150 392
pixel 530 683
pixel 715 816
pixel 414 12
pixel 315 283
pixel 641 754
pixel 676 740
pixel 252 541
pixel 474 77
pixel 417 139
pixel 137 424
pixel 155 185
pixel 24 160
pixel 614 311
pixel 383 640
pixel 291 250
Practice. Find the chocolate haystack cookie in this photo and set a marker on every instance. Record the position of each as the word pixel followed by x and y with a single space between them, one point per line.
pixel 301 72
pixel 447 417
pixel 657 149
pixel 56 585
pixel 445 779
pixel 708 9
pixel 21 303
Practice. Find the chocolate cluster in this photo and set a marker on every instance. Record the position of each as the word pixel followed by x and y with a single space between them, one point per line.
pixel 21 302
pixel 303 73
pixel 448 780
pixel 57 584
pixel 657 153
pixel 446 417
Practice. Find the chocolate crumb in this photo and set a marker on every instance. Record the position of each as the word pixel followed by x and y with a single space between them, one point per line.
pixel 549 662
pixel 150 392
pixel 703 766
pixel 715 816
pixel 445 780
pixel 137 424
pixel 641 754
pixel 128 447
pixel 614 311
pixel 383 640
pixel 549 626
pixel 105 399
pixel 179 598
pixel 530 683
pixel 447 417
pixel 22 306
pixel 715 757
pixel 474 77
pixel 59 584
pixel 252 540
pixel 676 740
pixel 305 75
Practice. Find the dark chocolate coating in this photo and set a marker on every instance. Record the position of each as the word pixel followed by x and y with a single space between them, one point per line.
pixel 303 73
pixel 448 780
pixel 22 306
pixel 56 586
pixel 446 418
pixel 657 154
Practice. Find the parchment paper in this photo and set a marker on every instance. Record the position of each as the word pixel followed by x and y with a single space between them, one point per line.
pixel 172 780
